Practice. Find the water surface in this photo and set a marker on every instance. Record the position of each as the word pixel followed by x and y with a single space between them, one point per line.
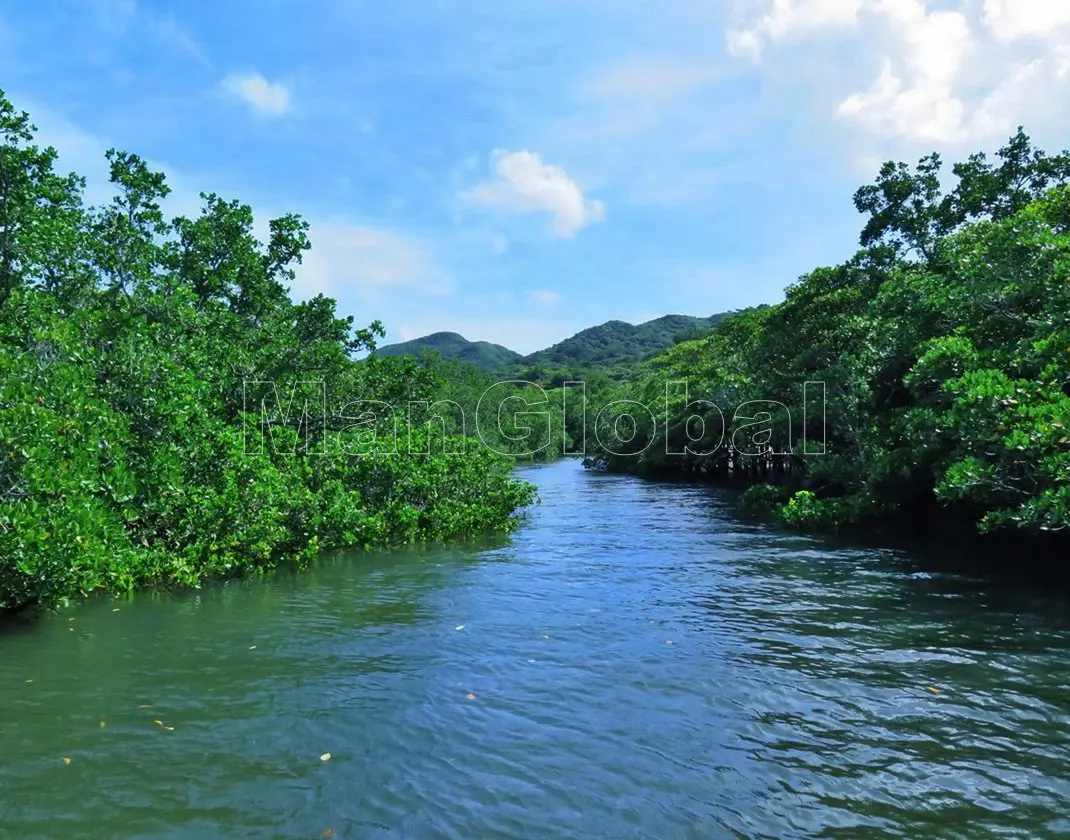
pixel 643 664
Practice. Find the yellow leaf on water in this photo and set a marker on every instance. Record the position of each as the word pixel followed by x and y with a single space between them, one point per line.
pixel 66 761
pixel 471 696
pixel 934 690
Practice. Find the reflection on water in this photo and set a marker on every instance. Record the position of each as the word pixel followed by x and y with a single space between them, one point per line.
pixel 644 664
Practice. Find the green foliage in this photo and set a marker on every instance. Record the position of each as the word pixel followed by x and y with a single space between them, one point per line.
pixel 943 346
pixel 133 447
pixel 760 498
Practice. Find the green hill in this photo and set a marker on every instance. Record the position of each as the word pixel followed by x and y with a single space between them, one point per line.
pixel 451 345
pixel 620 343
pixel 613 344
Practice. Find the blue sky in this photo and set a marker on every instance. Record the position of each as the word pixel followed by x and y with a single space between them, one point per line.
pixel 517 171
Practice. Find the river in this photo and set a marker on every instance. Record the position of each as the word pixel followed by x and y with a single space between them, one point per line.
pixel 634 662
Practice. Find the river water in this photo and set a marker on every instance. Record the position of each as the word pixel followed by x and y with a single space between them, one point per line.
pixel 634 662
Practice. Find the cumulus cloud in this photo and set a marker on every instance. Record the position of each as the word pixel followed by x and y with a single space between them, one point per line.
pixel 262 96
pixel 945 75
pixel 917 100
pixel 527 185
pixel 1010 19
pixel 790 18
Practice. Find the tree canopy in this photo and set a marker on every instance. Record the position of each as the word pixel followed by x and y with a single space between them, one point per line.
pixel 169 414
pixel 942 351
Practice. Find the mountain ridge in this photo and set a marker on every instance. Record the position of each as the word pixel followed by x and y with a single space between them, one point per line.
pixel 611 343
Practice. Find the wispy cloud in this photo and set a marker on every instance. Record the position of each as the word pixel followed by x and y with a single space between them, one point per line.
pixel 366 263
pixel 527 185
pixel 649 79
pixel 133 19
pixel 545 296
pixel 262 96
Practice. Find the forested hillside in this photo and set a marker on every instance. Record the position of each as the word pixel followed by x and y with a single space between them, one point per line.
pixel 451 346
pixel 619 343
pixel 944 350
pixel 168 413
pixel 614 346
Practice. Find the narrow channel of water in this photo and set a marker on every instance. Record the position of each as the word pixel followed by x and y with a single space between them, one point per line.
pixel 634 662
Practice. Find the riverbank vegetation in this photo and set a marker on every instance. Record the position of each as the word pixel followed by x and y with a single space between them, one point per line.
pixel 944 349
pixel 135 446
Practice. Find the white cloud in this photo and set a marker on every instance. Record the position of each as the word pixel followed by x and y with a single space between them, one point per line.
pixel 946 76
pixel 271 98
pixel 791 18
pixel 527 185
pixel 367 262
pixel 935 45
pixel 1010 19
pixel 545 296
